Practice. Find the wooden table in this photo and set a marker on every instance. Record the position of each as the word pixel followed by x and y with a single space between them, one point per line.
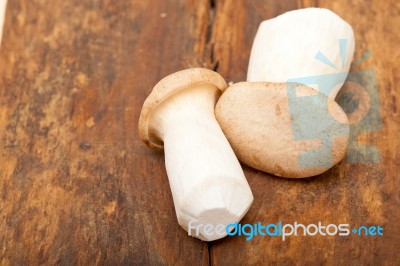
pixel 77 185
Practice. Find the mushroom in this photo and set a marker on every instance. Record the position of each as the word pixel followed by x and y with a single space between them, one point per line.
pixel 312 46
pixel 281 126
pixel 3 4
pixel 286 129
pixel 207 182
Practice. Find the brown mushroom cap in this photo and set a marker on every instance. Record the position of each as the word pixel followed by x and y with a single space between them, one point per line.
pixel 259 124
pixel 168 87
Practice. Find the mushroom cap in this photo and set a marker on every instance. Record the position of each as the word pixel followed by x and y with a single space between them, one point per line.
pixel 168 87
pixel 285 129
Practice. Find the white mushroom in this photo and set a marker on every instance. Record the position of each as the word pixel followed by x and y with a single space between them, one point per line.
pixel 207 182
pixel 274 123
pixel 312 46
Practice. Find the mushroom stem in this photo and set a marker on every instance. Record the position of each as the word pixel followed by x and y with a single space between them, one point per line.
pixel 207 182
pixel 3 4
pixel 311 46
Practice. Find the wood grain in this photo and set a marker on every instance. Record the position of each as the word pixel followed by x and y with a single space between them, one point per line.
pixel 78 187
pixel 358 194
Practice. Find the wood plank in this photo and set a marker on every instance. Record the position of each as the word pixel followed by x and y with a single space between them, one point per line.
pixel 358 194
pixel 77 185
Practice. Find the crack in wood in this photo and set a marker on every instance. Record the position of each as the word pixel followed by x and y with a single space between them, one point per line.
pixel 210 59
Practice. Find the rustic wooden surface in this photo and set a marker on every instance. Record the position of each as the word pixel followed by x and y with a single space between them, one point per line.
pixel 78 187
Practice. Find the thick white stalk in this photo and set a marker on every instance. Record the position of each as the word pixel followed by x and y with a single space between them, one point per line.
pixel 312 46
pixel 207 182
pixel 3 4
